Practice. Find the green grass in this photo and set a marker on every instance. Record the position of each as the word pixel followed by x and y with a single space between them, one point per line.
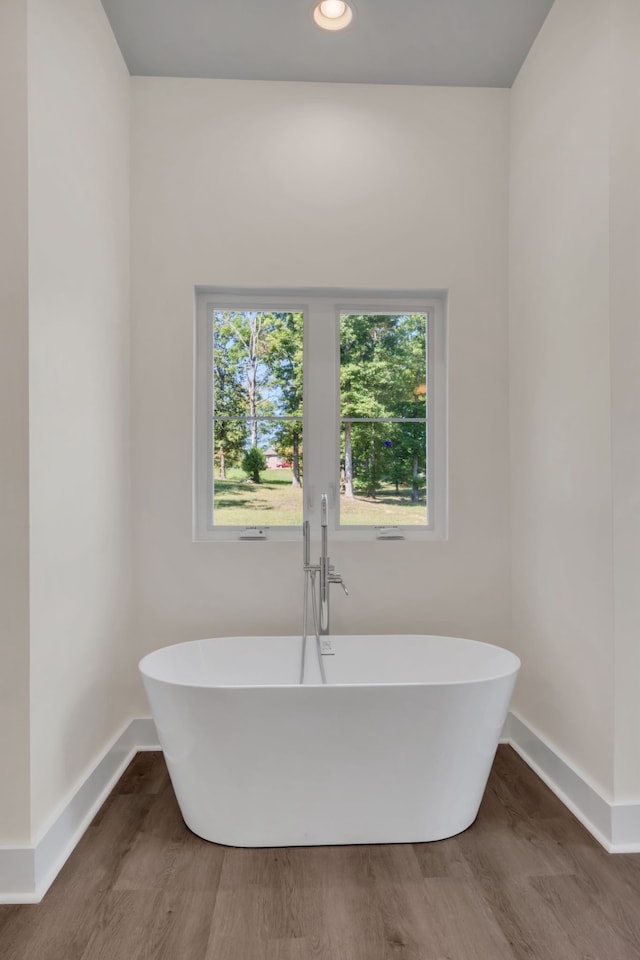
pixel 275 502
pixel 272 502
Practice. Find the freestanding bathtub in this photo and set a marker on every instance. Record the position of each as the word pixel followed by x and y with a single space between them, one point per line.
pixel 395 748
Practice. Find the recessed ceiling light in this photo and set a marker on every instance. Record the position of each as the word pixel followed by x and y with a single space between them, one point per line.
pixel 332 14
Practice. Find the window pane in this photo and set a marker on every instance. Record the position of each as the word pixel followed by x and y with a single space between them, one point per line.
pixel 257 379
pixel 383 406
pixel 259 486
pixel 389 469
pixel 257 363
pixel 383 365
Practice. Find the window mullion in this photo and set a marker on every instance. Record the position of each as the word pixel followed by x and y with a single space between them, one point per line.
pixel 321 409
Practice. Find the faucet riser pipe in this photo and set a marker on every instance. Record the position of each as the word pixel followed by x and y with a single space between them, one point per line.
pixel 324 566
pixel 306 544
pixel 324 596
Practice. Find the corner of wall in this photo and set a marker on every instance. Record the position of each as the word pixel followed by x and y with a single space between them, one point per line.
pixel 14 427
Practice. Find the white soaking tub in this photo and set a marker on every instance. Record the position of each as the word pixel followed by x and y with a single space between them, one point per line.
pixel 395 748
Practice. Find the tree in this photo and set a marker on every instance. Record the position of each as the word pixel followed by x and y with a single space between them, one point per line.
pixel 382 376
pixel 361 376
pixel 247 334
pixel 230 432
pixel 258 375
pixel 253 462
pixel 284 357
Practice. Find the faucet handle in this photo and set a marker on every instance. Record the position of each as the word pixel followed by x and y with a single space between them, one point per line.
pixel 337 578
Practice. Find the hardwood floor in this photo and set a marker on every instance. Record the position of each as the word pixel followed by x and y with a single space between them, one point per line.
pixel 525 882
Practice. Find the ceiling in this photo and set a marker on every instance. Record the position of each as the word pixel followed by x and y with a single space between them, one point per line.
pixel 479 43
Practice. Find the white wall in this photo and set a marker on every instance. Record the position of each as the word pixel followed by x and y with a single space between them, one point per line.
pixel 574 393
pixel 81 667
pixel 625 381
pixel 14 413
pixel 285 184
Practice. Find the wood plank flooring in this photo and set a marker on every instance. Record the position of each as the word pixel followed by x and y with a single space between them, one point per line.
pixel 525 882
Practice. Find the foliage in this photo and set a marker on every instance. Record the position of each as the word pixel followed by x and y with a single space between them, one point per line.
pixel 257 366
pixel 230 434
pixel 253 462
pixel 382 375
pixel 286 360
pixel 244 337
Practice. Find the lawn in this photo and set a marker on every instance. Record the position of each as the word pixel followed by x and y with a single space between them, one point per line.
pixel 275 502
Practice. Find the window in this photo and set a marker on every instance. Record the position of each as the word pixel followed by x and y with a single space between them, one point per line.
pixel 305 392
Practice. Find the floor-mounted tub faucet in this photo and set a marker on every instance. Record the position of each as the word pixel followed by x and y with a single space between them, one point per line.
pixel 324 568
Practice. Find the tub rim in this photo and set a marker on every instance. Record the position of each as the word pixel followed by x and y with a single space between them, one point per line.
pixel 499 675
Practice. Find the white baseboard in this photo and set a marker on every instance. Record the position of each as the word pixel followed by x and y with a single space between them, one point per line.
pixel 615 825
pixel 27 872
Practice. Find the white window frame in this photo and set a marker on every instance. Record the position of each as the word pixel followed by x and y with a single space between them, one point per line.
pixel 321 419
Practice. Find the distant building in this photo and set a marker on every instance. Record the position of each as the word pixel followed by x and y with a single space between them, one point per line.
pixel 275 461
